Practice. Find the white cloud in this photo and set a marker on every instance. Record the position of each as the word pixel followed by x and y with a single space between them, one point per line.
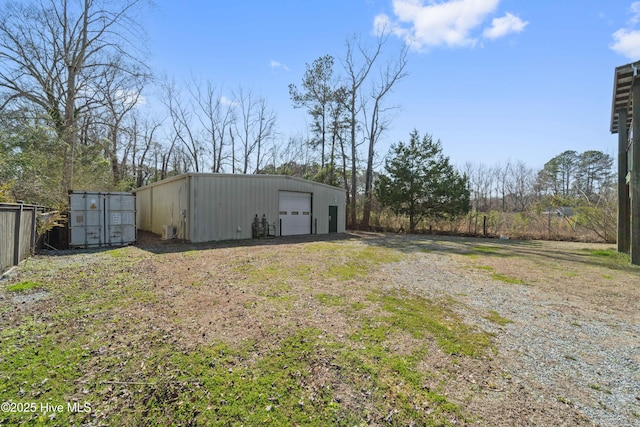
pixel 500 27
pixel 130 98
pixel 228 102
pixel 635 10
pixel 451 23
pixel 383 24
pixel 446 23
pixel 275 64
pixel 627 43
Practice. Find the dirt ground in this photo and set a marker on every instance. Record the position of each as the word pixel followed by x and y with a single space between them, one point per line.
pixel 537 374
pixel 563 274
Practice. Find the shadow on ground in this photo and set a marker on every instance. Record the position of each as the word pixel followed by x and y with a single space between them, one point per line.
pixel 471 246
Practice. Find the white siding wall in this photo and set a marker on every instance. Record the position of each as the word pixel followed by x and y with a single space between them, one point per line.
pixel 222 206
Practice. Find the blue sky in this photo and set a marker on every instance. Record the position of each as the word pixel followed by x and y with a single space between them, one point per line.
pixel 494 80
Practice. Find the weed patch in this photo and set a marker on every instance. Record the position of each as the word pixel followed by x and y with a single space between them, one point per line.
pixel 495 317
pixel 422 317
pixel 507 279
pixel 499 276
pixel 610 258
pixel 23 286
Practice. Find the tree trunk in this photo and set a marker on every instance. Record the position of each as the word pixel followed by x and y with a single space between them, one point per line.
pixel 354 171
pixel 69 133
pixel 366 211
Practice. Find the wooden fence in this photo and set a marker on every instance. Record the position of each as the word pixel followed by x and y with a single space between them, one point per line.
pixel 18 233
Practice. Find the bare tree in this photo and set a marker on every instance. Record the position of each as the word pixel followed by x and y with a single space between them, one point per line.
pixel 119 95
pixel 53 54
pixel 481 179
pixel 254 127
pixel 501 181
pixel 180 114
pixel 376 119
pixel 368 112
pixel 216 117
pixel 522 181
pixel 293 158
pixel 142 134
pixel 357 70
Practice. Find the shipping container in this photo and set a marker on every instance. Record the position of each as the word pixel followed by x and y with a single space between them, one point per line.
pixel 99 219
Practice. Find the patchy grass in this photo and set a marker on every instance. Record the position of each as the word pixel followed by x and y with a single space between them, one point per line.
pixel 609 257
pixel 487 249
pixel 606 253
pixel 495 317
pixel 501 277
pixel 356 306
pixel 397 378
pixel 108 343
pixel 564 400
pixel 478 251
pixel 308 334
pixel 423 317
pixel 507 279
pixel 24 286
pixel 328 299
pixel 349 264
pixel 598 387
pixel 342 262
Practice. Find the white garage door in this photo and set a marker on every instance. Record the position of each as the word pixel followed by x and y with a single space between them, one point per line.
pixel 295 213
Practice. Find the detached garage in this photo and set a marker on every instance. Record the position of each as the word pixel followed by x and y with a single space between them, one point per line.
pixel 203 207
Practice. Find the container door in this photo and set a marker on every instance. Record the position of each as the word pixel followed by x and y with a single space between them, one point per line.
pixel 120 215
pixel 87 221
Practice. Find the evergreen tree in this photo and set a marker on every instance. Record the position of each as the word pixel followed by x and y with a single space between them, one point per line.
pixel 420 182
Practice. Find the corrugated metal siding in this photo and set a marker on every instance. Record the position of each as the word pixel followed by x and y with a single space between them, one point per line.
pixel 223 206
pixel 143 216
pixel 162 204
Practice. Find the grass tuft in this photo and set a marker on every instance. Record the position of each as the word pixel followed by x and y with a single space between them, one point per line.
pixel 507 279
pixel 23 286
pixel 495 317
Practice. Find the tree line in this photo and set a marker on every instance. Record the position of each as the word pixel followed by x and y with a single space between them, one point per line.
pixel 73 81
pixel 73 89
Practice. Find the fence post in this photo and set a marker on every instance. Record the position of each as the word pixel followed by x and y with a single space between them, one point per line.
pixel 16 236
pixel 34 229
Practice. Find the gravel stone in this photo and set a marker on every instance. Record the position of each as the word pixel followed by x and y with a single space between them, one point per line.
pixel 587 358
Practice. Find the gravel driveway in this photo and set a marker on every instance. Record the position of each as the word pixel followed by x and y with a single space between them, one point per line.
pixel 560 347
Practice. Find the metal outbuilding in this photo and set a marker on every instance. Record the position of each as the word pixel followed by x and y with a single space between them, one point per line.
pixel 202 207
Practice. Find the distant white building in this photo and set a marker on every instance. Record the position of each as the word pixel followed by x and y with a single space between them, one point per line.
pixel 559 211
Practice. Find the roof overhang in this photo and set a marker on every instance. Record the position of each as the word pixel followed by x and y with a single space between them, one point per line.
pixel 622 81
